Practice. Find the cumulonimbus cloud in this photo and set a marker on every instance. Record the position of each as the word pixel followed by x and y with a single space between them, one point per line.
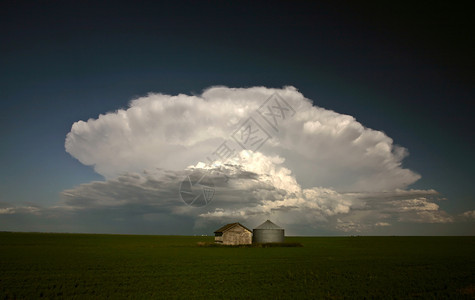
pixel 321 147
pixel 315 167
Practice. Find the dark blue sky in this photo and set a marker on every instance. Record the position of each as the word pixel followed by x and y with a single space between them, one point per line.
pixel 406 70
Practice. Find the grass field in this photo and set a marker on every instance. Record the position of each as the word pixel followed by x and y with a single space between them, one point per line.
pixel 35 265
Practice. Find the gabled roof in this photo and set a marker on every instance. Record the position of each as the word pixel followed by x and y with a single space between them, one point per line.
pixel 268 225
pixel 229 226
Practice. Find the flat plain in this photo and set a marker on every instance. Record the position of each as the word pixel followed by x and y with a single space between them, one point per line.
pixel 80 266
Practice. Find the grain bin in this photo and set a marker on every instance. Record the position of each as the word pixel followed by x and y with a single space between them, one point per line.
pixel 268 232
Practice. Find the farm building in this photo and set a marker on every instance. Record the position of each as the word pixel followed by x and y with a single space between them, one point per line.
pixel 268 232
pixel 233 234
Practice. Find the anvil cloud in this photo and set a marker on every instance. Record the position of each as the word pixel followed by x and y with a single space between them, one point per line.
pixel 319 167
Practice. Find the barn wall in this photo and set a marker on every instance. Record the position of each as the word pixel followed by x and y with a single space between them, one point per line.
pixel 237 236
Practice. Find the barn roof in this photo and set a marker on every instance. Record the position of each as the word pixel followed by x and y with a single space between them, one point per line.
pixel 229 226
pixel 268 225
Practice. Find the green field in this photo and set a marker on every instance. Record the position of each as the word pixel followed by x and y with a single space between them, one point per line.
pixel 35 265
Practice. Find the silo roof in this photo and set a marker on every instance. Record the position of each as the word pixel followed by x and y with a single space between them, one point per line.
pixel 268 225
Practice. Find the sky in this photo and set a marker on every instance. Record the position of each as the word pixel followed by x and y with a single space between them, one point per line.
pixel 360 114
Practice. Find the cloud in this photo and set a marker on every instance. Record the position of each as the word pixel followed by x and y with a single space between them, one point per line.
pixel 250 188
pixel 8 209
pixel 313 168
pixel 321 147
pixel 468 215
pixel 145 189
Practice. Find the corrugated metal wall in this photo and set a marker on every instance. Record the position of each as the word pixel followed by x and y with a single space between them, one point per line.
pixel 268 236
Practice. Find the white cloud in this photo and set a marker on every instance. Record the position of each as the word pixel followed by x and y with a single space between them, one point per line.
pixel 7 211
pixel 321 147
pixel 468 215
pixel 19 210
pixel 320 168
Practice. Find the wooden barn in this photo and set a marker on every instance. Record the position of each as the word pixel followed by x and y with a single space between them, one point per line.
pixel 233 234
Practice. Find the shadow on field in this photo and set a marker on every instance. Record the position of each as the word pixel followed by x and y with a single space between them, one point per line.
pixel 257 245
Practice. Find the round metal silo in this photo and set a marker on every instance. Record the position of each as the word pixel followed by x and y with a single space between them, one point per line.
pixel 268 232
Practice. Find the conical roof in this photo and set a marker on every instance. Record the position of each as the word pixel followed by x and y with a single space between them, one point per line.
pixel 268 225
